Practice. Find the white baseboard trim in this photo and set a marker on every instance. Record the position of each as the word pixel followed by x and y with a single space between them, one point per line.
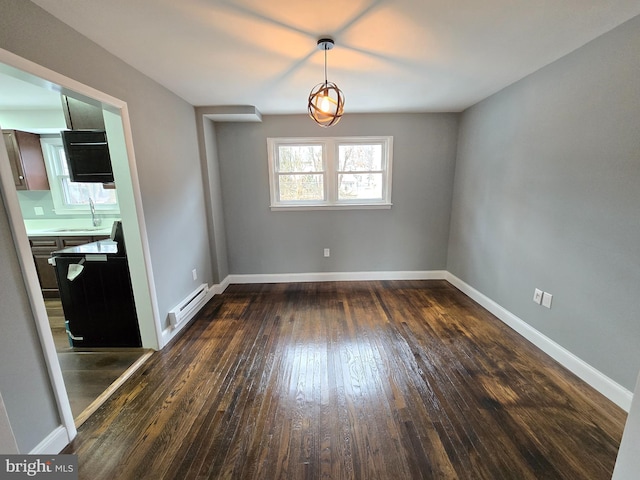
pixel 53 443
pixel 606 386
pixel 336 277
pixel 219 288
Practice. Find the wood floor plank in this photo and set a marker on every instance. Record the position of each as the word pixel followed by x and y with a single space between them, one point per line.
pixel 87 373
pixel 357 380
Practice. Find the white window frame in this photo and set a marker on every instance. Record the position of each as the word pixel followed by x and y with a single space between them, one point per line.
pixel 50 147
pixel 330 146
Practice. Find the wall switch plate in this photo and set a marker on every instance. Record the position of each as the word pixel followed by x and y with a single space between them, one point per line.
pixel 327 252
pixel 38 210
pixel 194 273
pixel 537 296
pixel 546 299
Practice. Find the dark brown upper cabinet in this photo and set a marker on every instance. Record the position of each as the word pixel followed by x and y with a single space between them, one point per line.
pixel 26 159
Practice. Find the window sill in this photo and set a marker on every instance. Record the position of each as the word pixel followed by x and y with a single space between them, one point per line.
pixel 346 206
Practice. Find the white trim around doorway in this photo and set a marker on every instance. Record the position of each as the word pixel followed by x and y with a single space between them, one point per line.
pixel 17 66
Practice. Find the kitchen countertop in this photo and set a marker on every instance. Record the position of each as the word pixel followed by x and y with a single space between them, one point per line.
pixel 100 247
pixel 67 228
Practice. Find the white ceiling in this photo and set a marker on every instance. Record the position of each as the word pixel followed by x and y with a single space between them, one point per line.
pixel 390 55
pixel 18 94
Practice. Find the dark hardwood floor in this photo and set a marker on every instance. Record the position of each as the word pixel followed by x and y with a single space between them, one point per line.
pixel 363 380
pixel 87 373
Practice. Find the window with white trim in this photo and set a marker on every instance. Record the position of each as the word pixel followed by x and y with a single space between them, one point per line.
pixel 73 197
pixel 330 172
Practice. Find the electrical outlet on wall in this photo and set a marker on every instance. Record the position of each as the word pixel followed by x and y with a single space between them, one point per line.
pixel 194 273
pixel 537 296
pixel 546 299
pixel 327 252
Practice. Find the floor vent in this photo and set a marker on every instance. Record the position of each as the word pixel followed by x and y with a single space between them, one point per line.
pixel 186 309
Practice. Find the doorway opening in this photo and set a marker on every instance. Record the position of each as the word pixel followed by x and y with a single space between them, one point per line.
pixel 81 378
pixel 90 375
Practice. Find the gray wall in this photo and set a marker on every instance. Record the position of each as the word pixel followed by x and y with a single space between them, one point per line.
pixel 164 136
pixel 213 190
pixel 24 381
pixel 411 236
pixel 547 195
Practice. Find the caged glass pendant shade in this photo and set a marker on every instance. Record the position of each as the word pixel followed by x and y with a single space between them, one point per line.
pixel 326 100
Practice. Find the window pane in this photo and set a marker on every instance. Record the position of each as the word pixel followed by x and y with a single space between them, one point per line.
pixel 78 193
pixel 301 187
pixel 299 158
pixel 61 163
pixel 360 158
pixel 360 186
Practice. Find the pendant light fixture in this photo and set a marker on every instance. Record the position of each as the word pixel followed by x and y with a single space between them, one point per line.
pixel 326 100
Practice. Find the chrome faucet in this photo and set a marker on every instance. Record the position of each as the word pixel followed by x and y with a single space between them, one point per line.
pixel 95 220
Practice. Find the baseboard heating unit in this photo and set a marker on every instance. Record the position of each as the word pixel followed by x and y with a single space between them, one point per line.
pixel 186 310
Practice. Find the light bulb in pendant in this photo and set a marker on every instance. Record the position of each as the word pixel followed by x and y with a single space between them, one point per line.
pixel 325 104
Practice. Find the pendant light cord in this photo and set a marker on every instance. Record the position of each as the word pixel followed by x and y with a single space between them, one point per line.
pixel 325 65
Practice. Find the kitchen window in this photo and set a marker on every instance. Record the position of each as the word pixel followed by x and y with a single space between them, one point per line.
pixel 73 197
pixel 330 172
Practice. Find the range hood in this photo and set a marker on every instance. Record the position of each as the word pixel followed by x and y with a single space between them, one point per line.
pixel 85 142
pixel 81 115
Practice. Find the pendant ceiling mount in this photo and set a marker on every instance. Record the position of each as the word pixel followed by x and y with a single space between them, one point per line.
pixel 326 100
pixel 326 44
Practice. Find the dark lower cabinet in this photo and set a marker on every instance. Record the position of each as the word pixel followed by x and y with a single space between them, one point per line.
pixel 98 304
pixel 42 248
